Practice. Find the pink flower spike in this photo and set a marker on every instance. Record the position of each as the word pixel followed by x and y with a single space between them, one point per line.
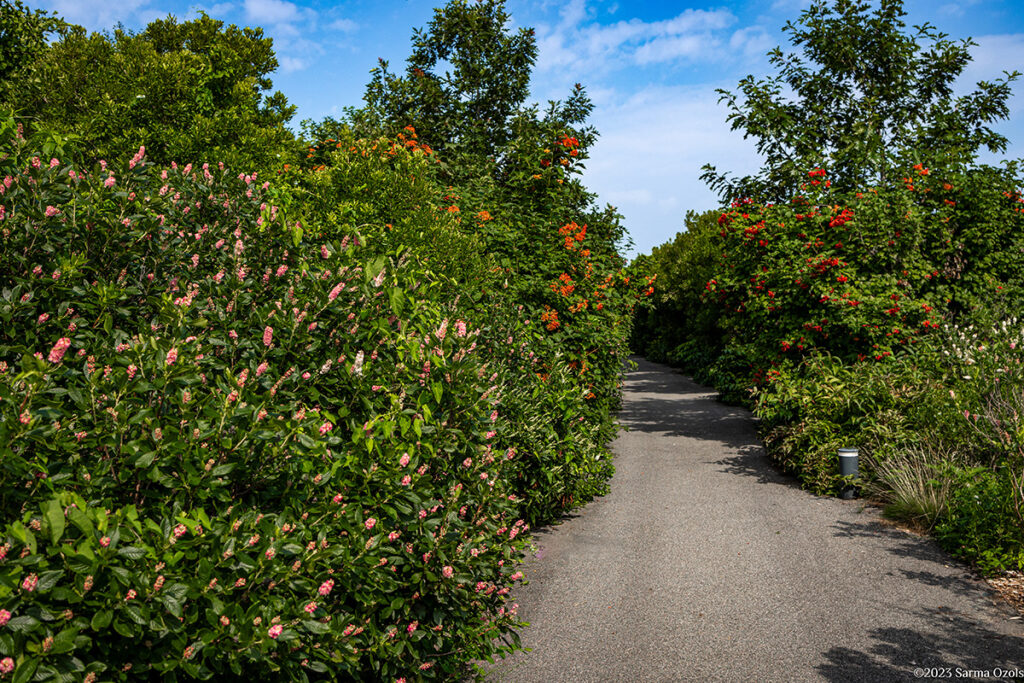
pixel 268 335
pixel 59 349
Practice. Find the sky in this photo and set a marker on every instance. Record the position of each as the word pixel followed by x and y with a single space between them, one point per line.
pixel 652 69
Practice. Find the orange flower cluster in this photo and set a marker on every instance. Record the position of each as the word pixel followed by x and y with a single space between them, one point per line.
pixel 410 142
pixel 570 144
pixel 572 231
pixel 550 318
pixel 567 286
pixel 484 216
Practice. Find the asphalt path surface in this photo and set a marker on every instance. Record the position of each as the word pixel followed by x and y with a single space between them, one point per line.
pixel 704 563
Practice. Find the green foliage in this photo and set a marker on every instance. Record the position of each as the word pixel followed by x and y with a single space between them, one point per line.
pixel 867 98
pixel 507 175
pixel 467 107
pixel 683 267
pixel 231 427
pixel 291 414
pixel 23 36
pixel 184 90
pixel 981 524
pixel 862 290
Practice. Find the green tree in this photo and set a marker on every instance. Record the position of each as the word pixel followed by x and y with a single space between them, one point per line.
pixel 466 78
pixel 465 92
pixel 677 327
pixel 860 97
pixel 23 36
pixel 188 91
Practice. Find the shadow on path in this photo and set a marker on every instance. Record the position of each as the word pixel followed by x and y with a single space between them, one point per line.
pixel 686 571
pixel 895 653
pixel 673 405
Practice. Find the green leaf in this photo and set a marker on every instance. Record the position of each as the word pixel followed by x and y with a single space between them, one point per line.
pixel 65 640
pixel 101 620
pixel 53 515
pixel 146 459
pixel 124 629
pixel 122 574
pixel 315 626
pixel 48 580
pixel 80 520
pixel 22 624
pixel 131 552
pixel 135 614
pixel 172 603
pixel 25 671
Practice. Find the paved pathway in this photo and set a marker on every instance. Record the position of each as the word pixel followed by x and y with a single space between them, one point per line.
pixel 703 564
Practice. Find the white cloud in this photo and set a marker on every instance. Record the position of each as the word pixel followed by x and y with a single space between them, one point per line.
pixel 289 64
pixel 786 6
pixel 751 41
pixel 957 9
pixel 271 11
pixel 577 42
pixel 343 25
pixel 667 49
pixel 96 15
pixel 647 161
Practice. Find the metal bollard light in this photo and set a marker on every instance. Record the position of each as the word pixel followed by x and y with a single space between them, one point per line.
pixel 848 467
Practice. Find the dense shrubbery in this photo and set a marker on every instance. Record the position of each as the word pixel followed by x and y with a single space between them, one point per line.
pixel 189 90
pixel 212 440
pixel 876 320
pixel 292 423
pixel 872 311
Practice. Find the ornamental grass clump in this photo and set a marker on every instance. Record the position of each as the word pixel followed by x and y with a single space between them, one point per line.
pixel 231 451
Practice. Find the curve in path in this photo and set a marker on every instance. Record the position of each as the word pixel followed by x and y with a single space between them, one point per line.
pixel 703 563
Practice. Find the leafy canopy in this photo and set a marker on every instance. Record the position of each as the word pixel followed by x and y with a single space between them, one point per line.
pixel 860 96
pixel 466 78
pixel 188 91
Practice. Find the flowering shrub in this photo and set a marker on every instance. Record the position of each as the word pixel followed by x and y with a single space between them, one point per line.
pixel 554 321
pixel 247 450
pixel 878 319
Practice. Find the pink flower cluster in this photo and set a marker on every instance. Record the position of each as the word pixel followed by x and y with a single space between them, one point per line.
pixel 59 349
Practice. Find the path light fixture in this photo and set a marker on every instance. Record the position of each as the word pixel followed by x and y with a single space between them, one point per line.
pixel 848 469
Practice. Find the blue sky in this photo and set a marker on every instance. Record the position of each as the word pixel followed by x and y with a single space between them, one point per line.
pixel 651 68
